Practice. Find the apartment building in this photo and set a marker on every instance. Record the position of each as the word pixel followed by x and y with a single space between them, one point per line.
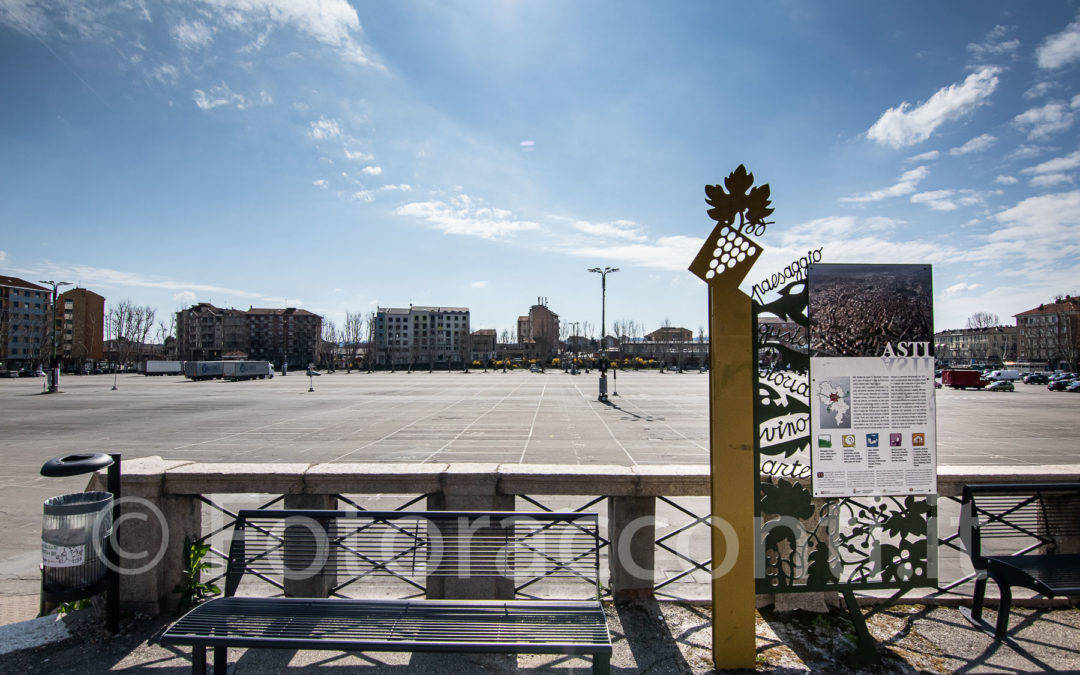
pixel 208 333
pixel 1050 334
pixel 25 313
pixel 421 336
pixel 80 327
pixel 540 328
pixel 989 346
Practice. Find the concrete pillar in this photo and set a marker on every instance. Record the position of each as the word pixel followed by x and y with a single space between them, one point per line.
pixel 468 487
pixel 632 553
pixel 310 577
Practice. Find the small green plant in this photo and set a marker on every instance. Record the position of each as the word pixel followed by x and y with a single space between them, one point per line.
pixel 69 607
pixel 192 590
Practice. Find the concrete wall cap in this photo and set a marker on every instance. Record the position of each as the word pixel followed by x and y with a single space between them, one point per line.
pixel 200 478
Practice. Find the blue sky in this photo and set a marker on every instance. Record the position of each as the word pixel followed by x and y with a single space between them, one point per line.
pixel 337 156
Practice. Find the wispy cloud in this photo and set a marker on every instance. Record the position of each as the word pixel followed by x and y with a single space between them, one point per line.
pixel 1006 180
pixel 961 288
pixel 1056 165
pixel 3 257
pixel 1045 120
pixel 324 128
pixel 905 186
pixel 463 215
pixel 110 278
pixel 220 95
pixel 1043 223
pixel 615 229
pixel 906 125
pixel 527 146
pixel 185 298
pixel 994 45
pixel 947 200
pixel 928 156
pixel 1050 180
pixel 478 284
pixel 322 183
pixel 372 170
pixel 667 253
pixel 1039 90
pixel 358 155
pixel 978 144
pixel 192 34
pixel 1060 49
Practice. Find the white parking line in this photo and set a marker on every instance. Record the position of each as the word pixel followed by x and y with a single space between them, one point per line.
pixel 521 460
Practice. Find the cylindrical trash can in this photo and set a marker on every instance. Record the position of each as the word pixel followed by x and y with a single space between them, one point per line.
pixel 73 533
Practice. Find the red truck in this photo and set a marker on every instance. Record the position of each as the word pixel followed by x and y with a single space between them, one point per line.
pixel 962 379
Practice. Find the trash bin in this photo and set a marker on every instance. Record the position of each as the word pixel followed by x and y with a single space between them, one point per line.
pixel 74 528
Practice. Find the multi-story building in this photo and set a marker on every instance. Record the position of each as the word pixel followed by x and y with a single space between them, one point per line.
pixel 991 346
pixel 208 333
pixel 80 325
pixel 483 345
pixel 1050 334
pixel 24 320
pixel 541 326
pixel 421 336
pixel 670 334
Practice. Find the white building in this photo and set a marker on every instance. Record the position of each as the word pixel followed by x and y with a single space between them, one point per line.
pixel 420 336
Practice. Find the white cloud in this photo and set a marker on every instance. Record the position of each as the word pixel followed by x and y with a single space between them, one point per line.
pixel 110 278
pixel 904 125
pixel 1050 180
pixel 192 34
pixel 217 96
pixel 848 239
pixel 1048 119
pixel 478 284
pixel 925 157
pixel 615 229
pixel 185 298
pixel 1025 151
pixel 324 129
pixel 993 45
pixel 322 183
pixel 468 217
pixel 905 186
pixel 372 170
pixel 366 196
pixel 960 288
pixel 978 144
pixel 1057 165
pixel 402 187
pixel 1044 223
pixel 1040 89
pixel 3 257
pixel 667 253
pixel 358 155
pixel 527 146
pixel 938 200
pixel 1005 180
pixel 1060 49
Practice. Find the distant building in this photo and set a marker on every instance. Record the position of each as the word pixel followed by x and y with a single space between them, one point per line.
pixel 670 334
pixel 208 333
pixel 989 346
pixel 1050 334
pixel 539 329
pixel 80 324
pixel 484 345
pixel 422 336
pixel 25 312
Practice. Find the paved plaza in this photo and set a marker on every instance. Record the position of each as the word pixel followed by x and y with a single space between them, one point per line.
pixel 516 417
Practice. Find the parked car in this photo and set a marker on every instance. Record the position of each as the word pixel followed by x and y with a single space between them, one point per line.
pixel 1059 385
pixel 1001 385
pixel 1036 378
pixel 1074 386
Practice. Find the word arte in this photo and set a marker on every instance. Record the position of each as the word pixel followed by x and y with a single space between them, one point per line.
pixel 796 271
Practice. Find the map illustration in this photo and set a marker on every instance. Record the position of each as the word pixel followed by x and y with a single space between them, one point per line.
pixel 834 399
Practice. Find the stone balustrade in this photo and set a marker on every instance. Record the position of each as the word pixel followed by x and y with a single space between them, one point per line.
pixel 160 509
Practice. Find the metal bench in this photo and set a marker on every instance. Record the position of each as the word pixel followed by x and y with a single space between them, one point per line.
pixel 483 569
pixel 1043 519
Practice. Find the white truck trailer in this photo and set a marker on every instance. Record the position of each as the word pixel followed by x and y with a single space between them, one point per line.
pixel 203 370
pixel 246 370
pixel 163 368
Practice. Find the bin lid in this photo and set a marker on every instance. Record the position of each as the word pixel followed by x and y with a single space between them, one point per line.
pixel 74 465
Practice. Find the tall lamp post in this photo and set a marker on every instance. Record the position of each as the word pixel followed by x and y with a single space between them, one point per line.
pixel 603 272
pixel 54 375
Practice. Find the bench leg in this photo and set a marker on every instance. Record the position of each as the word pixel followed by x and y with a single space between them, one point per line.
pixel 198 660
pixel 980 594
pixel 601 664
pixel 1003 610
pixel 221 660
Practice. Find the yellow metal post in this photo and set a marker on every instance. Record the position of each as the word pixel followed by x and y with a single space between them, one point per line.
pixel 722 263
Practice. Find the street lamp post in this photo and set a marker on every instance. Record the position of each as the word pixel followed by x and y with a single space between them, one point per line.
pixel 603 272
pixel 54 375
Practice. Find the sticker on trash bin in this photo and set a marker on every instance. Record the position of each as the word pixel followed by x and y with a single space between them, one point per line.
pixel 62 556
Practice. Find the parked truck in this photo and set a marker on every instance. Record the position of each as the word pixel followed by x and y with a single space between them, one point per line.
pixel 246 370
pixel 962 379
pixel 203 370
pixel 163 368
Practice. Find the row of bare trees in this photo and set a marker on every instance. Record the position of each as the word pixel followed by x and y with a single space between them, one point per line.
pixel 129 326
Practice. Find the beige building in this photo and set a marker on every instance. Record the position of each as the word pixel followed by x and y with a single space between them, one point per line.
pixel 1050 334
pixel 539 330
pixel 422 336
pixel 991 346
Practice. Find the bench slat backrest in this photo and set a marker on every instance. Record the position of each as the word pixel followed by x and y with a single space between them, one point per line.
pixel 415 547
pixel 1048 513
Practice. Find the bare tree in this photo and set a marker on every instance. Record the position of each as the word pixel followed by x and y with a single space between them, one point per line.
pixel 983 320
